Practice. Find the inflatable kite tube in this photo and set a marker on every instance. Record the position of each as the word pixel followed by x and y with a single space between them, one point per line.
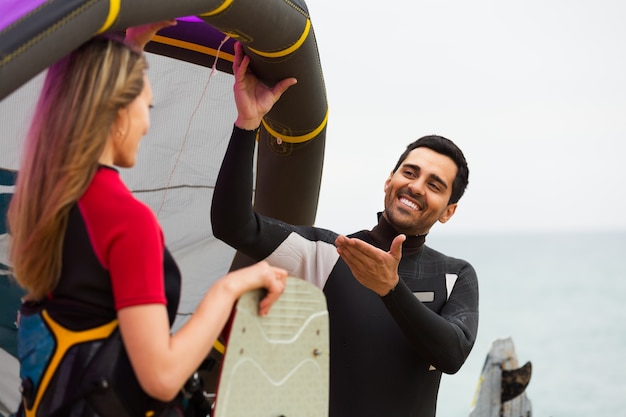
pixel 277 35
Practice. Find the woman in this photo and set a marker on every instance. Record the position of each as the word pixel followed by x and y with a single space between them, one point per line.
pixel 92 258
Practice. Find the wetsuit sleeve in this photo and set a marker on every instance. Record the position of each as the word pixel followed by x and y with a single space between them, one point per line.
pixel 444 339
pixel 136 261
pixel 232 215
pixel 126 239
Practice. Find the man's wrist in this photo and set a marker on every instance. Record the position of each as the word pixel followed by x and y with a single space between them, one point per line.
pixel 391 290
pixel 250 125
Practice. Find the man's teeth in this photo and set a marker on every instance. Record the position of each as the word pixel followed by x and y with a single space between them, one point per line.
pixel 409 203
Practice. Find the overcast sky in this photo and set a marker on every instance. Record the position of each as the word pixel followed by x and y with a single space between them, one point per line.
pixel 534 93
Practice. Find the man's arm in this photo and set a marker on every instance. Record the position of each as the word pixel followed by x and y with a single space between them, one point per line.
pixel 232 216
pixel 445 339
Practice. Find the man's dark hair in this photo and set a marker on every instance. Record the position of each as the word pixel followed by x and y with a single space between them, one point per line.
pixel 445 147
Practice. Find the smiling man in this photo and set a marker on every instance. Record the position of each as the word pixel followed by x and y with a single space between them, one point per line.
pixel 400 312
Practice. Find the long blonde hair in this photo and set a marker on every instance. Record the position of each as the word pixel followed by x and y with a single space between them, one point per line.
pixel 75 114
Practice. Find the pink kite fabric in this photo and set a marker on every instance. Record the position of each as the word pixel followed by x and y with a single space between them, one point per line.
pixel 12 10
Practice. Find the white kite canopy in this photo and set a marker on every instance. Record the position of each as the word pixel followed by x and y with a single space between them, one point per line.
pixel 177 164
pixel 190 66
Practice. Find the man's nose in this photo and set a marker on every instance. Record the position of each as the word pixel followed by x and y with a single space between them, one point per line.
pixel 417 187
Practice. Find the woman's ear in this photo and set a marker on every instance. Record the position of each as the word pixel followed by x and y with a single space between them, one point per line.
pixel 120 126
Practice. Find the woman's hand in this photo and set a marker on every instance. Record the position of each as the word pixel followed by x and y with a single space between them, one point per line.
pixel 261 275
pixel 139 36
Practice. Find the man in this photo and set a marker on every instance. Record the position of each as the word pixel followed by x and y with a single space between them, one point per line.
pixel 400 312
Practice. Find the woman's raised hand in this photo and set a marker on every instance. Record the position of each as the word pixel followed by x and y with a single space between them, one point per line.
pixel 139 36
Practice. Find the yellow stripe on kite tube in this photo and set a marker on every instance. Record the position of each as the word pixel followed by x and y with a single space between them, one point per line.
pixel 298 139
pixel 291 49
pixel 218 10
pixel 114 11
pixel 193 47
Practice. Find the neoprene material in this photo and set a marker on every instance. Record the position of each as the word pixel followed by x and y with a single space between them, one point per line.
pixel 113 257
pixel 387 354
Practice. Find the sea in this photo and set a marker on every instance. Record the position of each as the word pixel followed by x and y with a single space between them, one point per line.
pixel 561 298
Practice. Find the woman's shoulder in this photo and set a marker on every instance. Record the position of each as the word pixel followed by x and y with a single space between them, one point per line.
pixel 107 197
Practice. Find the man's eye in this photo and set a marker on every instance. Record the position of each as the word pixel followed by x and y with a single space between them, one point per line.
pixel 435 186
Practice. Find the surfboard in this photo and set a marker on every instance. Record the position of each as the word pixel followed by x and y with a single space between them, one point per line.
pixel 278 364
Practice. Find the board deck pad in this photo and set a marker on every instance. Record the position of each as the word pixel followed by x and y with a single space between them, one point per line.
pixel 278 364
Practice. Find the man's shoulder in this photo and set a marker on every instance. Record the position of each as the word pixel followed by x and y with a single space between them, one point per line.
pixel 434 255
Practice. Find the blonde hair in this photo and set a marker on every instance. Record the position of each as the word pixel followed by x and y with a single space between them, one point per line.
pixel 76 111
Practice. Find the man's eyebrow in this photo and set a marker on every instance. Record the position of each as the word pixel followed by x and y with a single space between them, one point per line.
pixel 440 180
pixel 433 177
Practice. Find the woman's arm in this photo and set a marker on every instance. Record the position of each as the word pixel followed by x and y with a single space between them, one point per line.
pixel 163 362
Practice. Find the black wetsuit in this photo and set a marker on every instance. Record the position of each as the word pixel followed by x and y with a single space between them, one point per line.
pixel 387 353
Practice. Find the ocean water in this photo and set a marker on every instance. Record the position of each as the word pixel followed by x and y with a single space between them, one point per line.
pixel 562 299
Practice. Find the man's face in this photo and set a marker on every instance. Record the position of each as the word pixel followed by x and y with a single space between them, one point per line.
pixel 417 194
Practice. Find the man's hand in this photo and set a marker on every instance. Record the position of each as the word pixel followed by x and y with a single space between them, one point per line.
pixel 252 97
pixel 372 267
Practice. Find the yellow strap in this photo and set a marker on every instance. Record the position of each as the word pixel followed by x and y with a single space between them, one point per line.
pixel 65 339
pixel 219 346
pixel 193 47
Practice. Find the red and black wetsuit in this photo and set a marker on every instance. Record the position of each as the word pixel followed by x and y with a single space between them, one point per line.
pixel 387 354
pixel 114 256
pixel 114 253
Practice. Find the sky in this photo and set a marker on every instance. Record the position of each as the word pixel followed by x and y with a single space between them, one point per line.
pixel 533 92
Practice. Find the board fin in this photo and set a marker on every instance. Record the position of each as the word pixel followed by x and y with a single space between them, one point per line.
pixel 515 381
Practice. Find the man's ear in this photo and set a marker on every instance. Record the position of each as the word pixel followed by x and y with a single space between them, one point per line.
pixel 388 180
pixel 448 212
